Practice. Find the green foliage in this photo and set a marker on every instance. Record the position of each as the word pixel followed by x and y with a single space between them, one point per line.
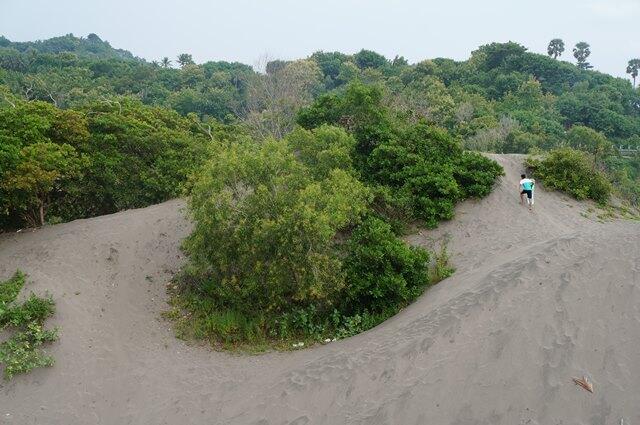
pixel 86 129
pixel 274 228
pixel 556 48
pixel 369 59
pixel 41 168
pixel 323 149
pixel 106 157
pixel 90 46
pixel 185 59
pixel 624 173
pixel 359 110
pixel 9 290
pixel 291 257
pixel 588 140
pixel 420 163
pixel 430 174
pixel 573 172
pixel 476 174
pixel 408 167
pixel 633 67
pixel 381 270
pixel 21 352
pixel 34 309
pixel 442 268
pixel 581 52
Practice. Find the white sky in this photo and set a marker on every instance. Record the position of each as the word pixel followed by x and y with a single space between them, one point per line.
pixel 245 30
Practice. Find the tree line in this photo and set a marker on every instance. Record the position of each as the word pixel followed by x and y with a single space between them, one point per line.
pixel 57 96
pixel 582 51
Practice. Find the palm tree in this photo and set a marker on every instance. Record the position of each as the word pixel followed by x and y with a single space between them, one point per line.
pixel 165 62
pixel 185 59
pixel 581 52
pixel 633 68
pixel 556 48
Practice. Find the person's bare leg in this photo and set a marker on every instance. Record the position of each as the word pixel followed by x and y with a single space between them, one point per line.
pixel 521 198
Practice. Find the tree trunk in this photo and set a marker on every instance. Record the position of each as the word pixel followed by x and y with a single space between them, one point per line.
pixel 41 213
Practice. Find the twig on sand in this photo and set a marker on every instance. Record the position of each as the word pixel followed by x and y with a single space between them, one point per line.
pixel 584 383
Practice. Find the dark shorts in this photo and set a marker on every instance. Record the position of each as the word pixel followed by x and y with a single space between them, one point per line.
pixel 528 192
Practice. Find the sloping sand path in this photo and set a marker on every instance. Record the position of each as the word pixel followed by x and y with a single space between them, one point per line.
pixel 538 298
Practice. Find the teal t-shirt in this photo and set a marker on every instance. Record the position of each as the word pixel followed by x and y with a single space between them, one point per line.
pixel 527 184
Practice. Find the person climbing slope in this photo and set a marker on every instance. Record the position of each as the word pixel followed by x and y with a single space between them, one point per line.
pixel 526 188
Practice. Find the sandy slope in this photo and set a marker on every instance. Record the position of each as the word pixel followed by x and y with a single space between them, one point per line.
pixel 538 298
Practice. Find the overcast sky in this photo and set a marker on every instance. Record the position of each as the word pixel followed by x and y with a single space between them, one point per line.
pixel 245 30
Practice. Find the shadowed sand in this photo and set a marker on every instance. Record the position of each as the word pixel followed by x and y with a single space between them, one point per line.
pixel 538 298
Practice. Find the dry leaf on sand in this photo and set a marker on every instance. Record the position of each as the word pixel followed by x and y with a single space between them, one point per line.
pixel 584 383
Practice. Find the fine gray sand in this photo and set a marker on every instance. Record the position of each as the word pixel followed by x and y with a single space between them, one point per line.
pixel 538 298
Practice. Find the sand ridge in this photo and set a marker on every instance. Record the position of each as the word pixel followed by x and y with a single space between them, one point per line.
pixel 538 298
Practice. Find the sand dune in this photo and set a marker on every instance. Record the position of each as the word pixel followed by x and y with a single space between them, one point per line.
pixel 538 298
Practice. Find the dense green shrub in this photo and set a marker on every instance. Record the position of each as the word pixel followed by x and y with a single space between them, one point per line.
pixel 359 110
pixel 573 172
pixel 323 149
pixel 423 166
pixel 381 270
pixel 274 228
pixel 476 174
pixel 428 170
pixel 429 186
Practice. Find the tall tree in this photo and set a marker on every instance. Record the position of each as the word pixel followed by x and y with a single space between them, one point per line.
pixel 591 141
pixel 632 69
pixel 556 48
pixel 165 62
pixel 369 59
pixel 273 100
pixel 40 172
pixel 185 59
pixel 581 52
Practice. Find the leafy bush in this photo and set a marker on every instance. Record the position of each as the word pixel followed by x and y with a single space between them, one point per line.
pixel 359 110
pixel 323 149
pixel 274 228
pixel 573 172
pixel 423 166
pixel 429 171
pixel 381 270
pixel 476 174
pixel 21 352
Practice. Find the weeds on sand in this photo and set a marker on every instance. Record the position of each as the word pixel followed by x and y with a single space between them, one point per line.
pixel 21 352
pixel 441 268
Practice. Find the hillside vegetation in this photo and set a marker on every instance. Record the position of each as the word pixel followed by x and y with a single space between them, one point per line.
pixel 103 114
pixel 301 178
